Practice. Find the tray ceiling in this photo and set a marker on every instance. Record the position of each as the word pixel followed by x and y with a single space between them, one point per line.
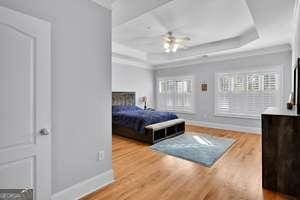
pixel 202 20
pixel 214 26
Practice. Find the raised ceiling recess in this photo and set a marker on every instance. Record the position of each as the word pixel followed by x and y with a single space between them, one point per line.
pixel 211 25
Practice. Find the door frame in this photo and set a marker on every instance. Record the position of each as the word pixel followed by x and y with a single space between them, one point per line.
pixel 40 30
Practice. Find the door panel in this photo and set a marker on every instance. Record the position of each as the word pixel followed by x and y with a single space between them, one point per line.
pixel 25 154
pixel 19 174
pixel 16 87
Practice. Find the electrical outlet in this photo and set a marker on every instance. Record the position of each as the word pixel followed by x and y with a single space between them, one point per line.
pixel 100 155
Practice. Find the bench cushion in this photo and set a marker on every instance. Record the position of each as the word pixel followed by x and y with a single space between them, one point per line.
pixel 165 124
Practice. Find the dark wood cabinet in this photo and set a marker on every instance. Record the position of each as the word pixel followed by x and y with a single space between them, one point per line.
pixel 281 151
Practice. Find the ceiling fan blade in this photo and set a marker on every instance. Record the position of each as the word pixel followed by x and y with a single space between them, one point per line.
pixel 145 38
pixel 184 39
pixel 166 38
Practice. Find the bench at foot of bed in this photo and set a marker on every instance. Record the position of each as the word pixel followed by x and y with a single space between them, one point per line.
pixel 164 130
pixel 153 133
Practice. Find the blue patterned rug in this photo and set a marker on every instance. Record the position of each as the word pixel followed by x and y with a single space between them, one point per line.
pixel 196 147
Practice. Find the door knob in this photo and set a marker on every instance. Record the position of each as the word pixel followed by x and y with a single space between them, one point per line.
pixel 44 131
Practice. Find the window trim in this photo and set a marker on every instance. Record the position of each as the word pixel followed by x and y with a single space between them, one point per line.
pixel 276 68
pixel 186 77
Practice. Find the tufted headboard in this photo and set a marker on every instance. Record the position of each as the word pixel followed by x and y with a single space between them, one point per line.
pixel 123 98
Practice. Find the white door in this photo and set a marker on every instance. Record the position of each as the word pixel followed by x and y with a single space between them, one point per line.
pixel 25 154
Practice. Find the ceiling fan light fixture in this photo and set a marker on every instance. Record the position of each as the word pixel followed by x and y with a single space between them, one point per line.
pixel 172 44
pixel 166 45
pixel 175 47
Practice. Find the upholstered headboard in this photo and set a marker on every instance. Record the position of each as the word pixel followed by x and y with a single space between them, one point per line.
pixel 123 98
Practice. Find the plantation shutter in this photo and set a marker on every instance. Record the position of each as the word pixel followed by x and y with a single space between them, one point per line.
pixel 175 94
pixel 246 94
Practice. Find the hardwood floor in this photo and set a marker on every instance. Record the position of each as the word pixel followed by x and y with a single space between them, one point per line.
pixel 141 173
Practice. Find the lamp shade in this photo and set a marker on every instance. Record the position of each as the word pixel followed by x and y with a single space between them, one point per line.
pixel 144 99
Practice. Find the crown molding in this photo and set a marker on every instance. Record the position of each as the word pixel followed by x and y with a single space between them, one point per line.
pixel 131 62
pixel 104 3
pixel 136 62
pixel 215 58
pixel 129 52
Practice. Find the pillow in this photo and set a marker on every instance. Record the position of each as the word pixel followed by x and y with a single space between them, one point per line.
pixel 125 108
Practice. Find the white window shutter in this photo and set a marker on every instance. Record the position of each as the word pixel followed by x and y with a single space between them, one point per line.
pixel 247 94
pixel 175 94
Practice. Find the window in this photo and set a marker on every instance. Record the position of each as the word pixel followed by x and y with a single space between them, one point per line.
pixel 175 94
pixel 247 94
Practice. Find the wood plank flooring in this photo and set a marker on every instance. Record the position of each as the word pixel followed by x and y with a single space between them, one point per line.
pixel 142 174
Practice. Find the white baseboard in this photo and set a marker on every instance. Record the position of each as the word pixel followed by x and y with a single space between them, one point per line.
pixel 86 187
pixel 225 126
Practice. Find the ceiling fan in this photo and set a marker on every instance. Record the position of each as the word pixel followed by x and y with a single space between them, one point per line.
pixel 173 43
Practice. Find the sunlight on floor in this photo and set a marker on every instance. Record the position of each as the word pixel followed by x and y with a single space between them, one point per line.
pixel 203 140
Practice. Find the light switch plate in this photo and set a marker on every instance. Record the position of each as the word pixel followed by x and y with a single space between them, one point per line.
pixel 100 155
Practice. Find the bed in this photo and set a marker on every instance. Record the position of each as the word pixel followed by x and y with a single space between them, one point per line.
pixel 148 126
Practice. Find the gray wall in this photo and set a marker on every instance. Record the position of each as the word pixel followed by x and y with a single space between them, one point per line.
pixel 296 39
pixel 81 86
pixel 130 78
pixel 204 105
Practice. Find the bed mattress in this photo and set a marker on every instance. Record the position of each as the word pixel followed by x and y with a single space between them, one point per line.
pixel 136 118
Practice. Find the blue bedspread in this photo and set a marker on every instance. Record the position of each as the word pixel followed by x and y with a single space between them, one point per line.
pixel 136 118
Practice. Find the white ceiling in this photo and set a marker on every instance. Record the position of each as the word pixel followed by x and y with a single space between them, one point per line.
pixel 203 21
pixel 215 27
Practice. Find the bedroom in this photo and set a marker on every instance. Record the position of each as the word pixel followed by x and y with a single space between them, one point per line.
pixel 227 71
pixel 150 99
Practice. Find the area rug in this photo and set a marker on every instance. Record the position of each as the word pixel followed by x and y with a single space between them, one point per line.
pixel 197 147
